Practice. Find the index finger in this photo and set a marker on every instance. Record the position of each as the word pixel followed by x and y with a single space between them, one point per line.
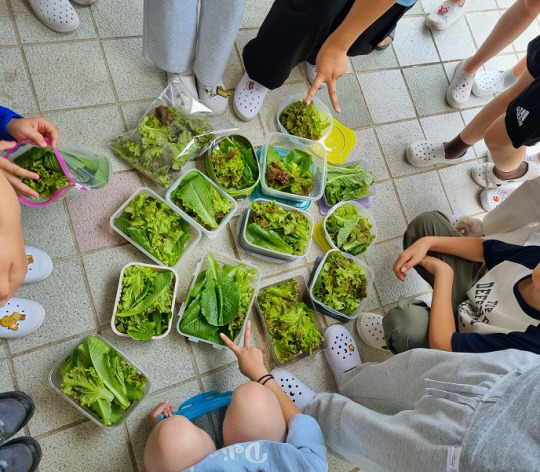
pixel 19 171
pixel 314 87
pixel 233 347
pixel 333 94
pixel 5 145
pixel 52 134
pixel 247 335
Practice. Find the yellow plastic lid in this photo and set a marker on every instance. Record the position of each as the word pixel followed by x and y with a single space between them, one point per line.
pixel 318 236
pixel 339 143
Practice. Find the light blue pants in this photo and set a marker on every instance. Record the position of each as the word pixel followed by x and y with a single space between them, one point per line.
pixel 176 38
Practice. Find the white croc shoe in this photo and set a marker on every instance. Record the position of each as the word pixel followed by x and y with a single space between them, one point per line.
pixel 341 351
pixel 446 16
pixel 488 82
pixel 491 198
pixel 427 153
pixel 459 91
pixel 248 98
pixel 188 81
pixel 215 97
pixel 297 391
pixel 20 317
pixel 84 3
pixel 484 176
pixel 58 15
pixel 311 73
pixel 40 265
pixel 370 329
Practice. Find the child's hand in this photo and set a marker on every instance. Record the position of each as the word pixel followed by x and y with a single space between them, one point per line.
pixel 13 173
pixel 409 258
pixel 163 408
pixel 250 359
pixel 434 266
pixel 34 129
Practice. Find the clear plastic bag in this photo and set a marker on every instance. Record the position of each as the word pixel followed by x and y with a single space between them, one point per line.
pixel 174 129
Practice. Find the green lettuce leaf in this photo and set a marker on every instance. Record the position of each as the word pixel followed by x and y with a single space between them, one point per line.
pixel 347 183
pixel 303 120
pixel 349 230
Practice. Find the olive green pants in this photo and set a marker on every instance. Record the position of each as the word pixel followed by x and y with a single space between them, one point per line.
pixel 406 325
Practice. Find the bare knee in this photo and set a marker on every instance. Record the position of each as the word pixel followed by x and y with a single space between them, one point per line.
pixel 252 392
pixel 533 6
pixel 496 137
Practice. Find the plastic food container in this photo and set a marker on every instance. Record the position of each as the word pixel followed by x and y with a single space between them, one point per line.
pixel 119 294
pixel 324 111
pixel 305 297
pixel 285 143
pixel 210 233
pixel 55 380
pixel 326 309
pixel 220 259
pixel 364 212
pixel 193 230
pixel 270 252
pixel 238 194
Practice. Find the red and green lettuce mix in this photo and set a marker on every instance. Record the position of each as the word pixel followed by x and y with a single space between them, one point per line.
pixel 199 199
pixel 347 183
pixel 349 230
pixel 290 322
pixel 100 380
pixel 274 227
pixel 164 141
pixel 218 302
pixel 303 120
pixel 155 227
pixel 234 164
pixel 144 309
pixel 341 284
pixel 292 173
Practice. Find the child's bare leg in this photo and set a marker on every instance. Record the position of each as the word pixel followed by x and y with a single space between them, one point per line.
pixel 254 414
pixel 505 156
pixel 520 67
pixel 176 444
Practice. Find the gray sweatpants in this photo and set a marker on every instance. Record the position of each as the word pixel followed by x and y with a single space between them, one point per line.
pixel 175 41
pixel 404 414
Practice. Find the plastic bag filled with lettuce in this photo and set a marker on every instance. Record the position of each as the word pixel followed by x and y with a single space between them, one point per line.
pixel 349 230
pixel 347 183
pixel 292 173
pixel 234 164
pixel 301 119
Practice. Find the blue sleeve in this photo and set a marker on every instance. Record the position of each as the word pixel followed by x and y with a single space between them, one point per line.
pixel 6 115
pixel 528 340
pixel 305 434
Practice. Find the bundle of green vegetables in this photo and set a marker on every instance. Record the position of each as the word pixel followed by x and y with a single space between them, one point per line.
pixel 303 120
pixel 273 227
pixel 218 301
pixel 144 309
pixel 290 322
pixel 163 142
pixel 292 173
pixel 234 164
pixel 341 284
pixel 199 199
pixel 100 380
pixel 155 227
pixel 349 230
pixel 347 183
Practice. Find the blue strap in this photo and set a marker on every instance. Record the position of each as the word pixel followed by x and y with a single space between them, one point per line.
pixel 202 404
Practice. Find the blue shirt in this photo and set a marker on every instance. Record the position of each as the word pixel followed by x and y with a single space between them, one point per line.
pixel 6 115
pixel 406 3
pixel 302 451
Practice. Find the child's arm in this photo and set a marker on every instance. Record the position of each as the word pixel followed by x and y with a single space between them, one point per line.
pixel 15 127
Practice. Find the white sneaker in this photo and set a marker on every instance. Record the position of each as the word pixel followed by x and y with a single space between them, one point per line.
pixel 215 97
pixel 297 391
pixel 311 73
pixel 427 153
pixel 484 176
pixel 58 15
pixel 341 351
pixel 40 265
pixel 84 3
pixel 20 317
pixel 447 14
pixel 370 329
pixel 248 98
pixel 187 81
pixel 459 91
pixel 491 198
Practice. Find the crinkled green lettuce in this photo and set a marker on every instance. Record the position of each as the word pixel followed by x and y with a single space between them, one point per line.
pixel 292 173
pixel 347 183
pixel 303 120
pixel 274 227
pixel 290 322
pixel 155 227
pixel 349 230
pixel 234 164
pixel 341 284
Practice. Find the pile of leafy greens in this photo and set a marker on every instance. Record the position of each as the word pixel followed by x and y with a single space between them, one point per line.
pixel 199 199
pixel 100 380
pixel 292 173
pixel 303 120
pixel 218 301
pixel 341 284
pixel 43 162
pixel 290 322
pixel 94 173
pixel 234 164
pixel 274 227
pixel 349 230
pixel 155 227
pixel 347 183
pixel 163 142
pixel 144 309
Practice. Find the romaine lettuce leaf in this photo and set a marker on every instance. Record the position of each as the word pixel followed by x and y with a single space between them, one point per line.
pixel 347 183
pixel 349 230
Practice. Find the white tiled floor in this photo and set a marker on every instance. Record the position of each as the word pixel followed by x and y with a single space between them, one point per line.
pixel 94 84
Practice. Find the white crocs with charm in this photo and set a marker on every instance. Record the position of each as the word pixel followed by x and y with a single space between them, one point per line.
pixel 215 97
pixel 370 329
pixel 484 176
pixel 491 198
pixel 39 263
pixel 20 317
pixel 447 14
pixel 459 91
pixel 248 98
pixel 297 391
pixel 58 15
pixel 341 351
pixel 427 153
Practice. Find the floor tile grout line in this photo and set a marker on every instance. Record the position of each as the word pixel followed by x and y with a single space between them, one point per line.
pixel 60 429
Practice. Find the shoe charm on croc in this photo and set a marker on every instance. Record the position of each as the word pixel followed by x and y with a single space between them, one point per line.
pixel 12 321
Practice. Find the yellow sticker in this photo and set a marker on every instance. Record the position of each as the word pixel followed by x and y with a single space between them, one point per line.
pixel 318 236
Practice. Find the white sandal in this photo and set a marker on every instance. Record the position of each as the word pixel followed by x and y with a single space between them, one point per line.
pixel 58 15
pixel 40 265
pixel 447 14
pixel 248 98
pixel 341 351
pixel 491 198
pixel 459 91
pixel 297 391
pixel 484 176
pixel 370 329
pixel 20 317
pixel 427 153
pixel 215 97
pixel 488 82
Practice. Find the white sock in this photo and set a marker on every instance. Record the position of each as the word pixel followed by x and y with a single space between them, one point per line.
pixel 531 157
pixel 509 78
